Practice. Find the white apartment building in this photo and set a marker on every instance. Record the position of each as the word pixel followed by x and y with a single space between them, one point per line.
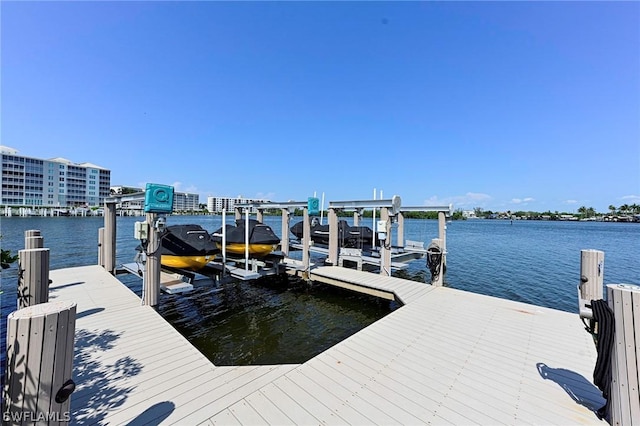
pixel 227 204
pixel 57 182
pixel 182 201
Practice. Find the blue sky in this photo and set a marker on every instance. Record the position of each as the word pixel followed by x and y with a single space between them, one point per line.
pixel 499 105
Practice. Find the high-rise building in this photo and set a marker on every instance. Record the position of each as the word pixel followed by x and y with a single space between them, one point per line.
pixel 227 204
pixel 57 182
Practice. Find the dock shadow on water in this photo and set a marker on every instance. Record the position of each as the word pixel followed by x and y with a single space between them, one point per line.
pixel 581 390
pixel 273 320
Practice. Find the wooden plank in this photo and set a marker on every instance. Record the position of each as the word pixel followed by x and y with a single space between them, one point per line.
pixel 269 411
pixel 326 392
pixel 246 414
pixel 297 413
pixel 233 390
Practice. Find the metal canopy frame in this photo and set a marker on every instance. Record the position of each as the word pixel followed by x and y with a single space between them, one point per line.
pixel 274 205
pixel 445 209
pixel 391 203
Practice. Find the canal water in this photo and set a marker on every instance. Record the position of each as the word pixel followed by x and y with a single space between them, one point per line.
pixel 285 320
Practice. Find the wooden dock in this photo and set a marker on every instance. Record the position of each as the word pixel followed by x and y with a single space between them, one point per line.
pixel 445 357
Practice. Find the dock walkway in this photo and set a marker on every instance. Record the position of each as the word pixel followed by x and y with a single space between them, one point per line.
pixel 446 357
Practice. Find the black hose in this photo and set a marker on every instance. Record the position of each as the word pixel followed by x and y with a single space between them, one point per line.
pixel 602 375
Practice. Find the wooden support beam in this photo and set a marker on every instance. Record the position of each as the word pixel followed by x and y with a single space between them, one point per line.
pixel 33 277
pixel 109 245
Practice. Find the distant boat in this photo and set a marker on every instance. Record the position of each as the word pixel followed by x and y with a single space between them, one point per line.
pixel 187 247
pixel 348 236
pixel 262 239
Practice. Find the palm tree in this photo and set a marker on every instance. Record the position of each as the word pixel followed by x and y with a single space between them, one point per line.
pixel 612 209
pixel 582 210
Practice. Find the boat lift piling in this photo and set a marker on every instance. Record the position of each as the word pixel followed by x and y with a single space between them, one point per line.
pixel 441 241
pixel 286 209
pixel 388 209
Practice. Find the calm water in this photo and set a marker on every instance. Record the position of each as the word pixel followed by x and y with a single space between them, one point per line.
pixel 286 321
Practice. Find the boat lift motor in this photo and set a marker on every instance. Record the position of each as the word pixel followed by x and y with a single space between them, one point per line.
pixel 434 259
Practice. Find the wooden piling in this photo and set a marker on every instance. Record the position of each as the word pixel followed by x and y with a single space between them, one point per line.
pixel 385 246
pixel 284 241
pixel 306 241
pixel 332 217
pixel 38 373
pixel 101 247
pixel 33 277
pixel 400 232
pixel 151 281
pixel 109 243
pixel 591 280
pixel 624 300
pixel 33 239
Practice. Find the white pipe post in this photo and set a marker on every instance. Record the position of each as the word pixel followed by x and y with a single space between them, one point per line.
pixel 246 240
pixel 224 241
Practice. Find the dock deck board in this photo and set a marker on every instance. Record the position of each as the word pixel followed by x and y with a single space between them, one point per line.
pixel 445 357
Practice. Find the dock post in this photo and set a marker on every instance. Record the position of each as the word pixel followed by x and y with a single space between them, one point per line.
pixel 332 256
pixel 259 216
pixel 101 247
pixel 400 241
pixel 109 246
pixel 385 246
pixel 284 241
pixel 306 242
pixel 238 213
pixel 356 217
pixel 442 235
pixel 624 301
pixel 151 281
pixel 33 277
pixel 33 239
pixel 39 367
pixel 591 280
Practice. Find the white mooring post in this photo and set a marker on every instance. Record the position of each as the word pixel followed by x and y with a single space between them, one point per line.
pixel 591 280
pixel 33 277
pixel 39 368
pixel 151 281
pixel 624 300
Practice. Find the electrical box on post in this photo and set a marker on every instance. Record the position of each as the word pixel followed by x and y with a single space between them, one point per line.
pixel 313 206
pixel 158 198
pixel 382 229
pixel 140 230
